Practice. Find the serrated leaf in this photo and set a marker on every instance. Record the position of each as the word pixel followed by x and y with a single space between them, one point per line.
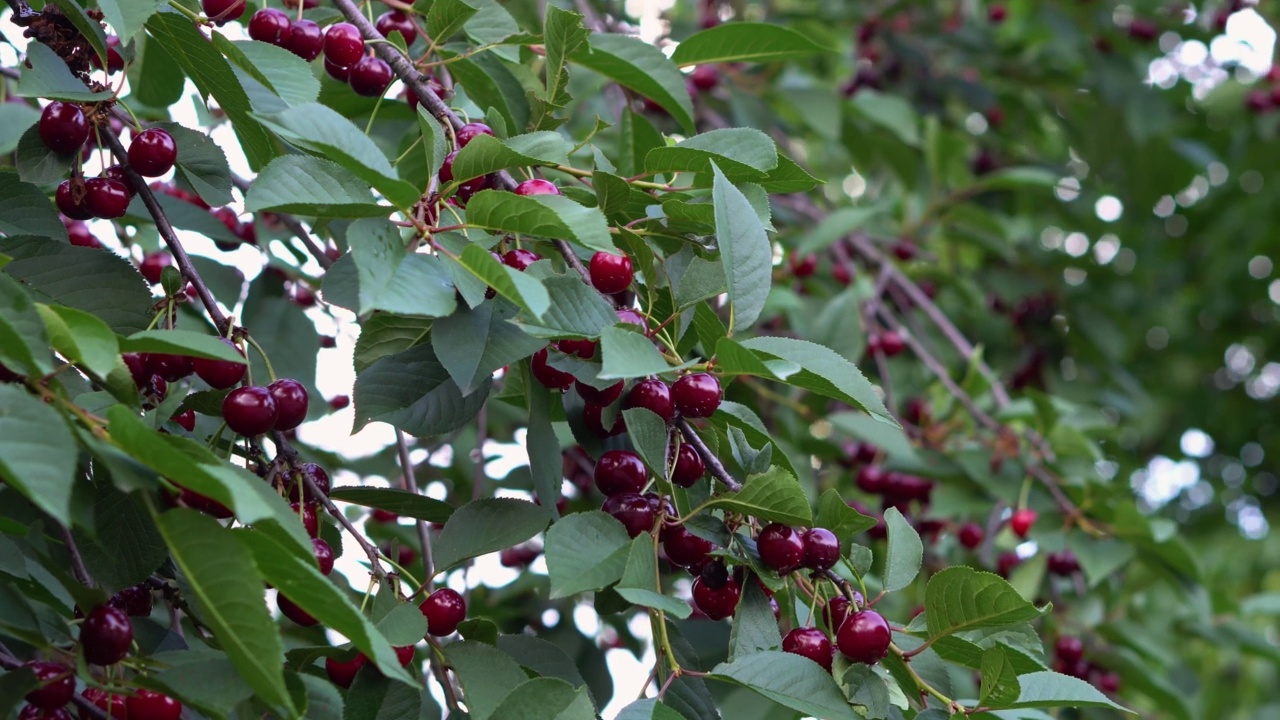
pixel 824 372
pixel 487 154
pixel 383 334
pixel 585 551
pixel 305 185
pixel 395 280
pixel 577 311
pixel 485 526
pixel 546 699
pixel 181 342
pixel 24 340
pixel 283 72
pixel 446 18
pixel 81 338
pixel 126 546
pixel 487 675
pixel 201 163
pixel 639 583
pixel 648 434
pixel 754 627
pixel 790 680
pixel 36 163
pixel 774 496
pixel 742 154
pixel 628 354
pixel 868 689
pixel 835 515
pixel 45 75
pixel 638 136
pixel 88 279
pixel 1050 689
pixel 490 84
pixel 905 553
pixel 635 64
pixel 960 598
pixel 744 245
pixel 546 465
pixel 374 697
pixel 412 390
pixel 128 16
pixel 548 216
pixel 744 41
pixel 26 210
pixel 526 291
pixel 16 119
pixel 701 279
pixel 37 452
pixel 474 343
pixel 434 140
pixel 400 502
pixel 999 680
pixel 563 35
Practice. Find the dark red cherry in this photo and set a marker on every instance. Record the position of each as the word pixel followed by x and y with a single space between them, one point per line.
pixel 809 642
pixel 593 418
pixel 537 186
pixel 970 535
pixel 170 367
pixel 63 127
pixel 821 549
pixel 597 396
pixel 835 612
pixel 1022 521
pixel 685 549
pixel 67 205
pixel 153 264
pixel 250 410
pixel 1007 562
pixel 343 673
pixel 384 516
pixel 717 604
pixel 105 635
pixel 106 198
pixel 306 514
pixel 270 25
pixel 1069 648
pixel 224 10
pixel 469 188
pixel 135 601
pixel 585 349
pixel 689 467
pixel 611 273
pixel 864 637
pixel 324 555
pixel 115 61
pixel 57 684
pixel 148 705
pixel 343 44
pixel 891 343
pixel 404 654
pixel 446 168
pixel 620 471
pixel 872 479
pixel 116 172
pixel 114 705
pixel 803 267
pixel 520 259
pixel 291 610
pixel 780 547
pixel 371 76
pixel 1109 683
pixel 444 609
pixel 696 395
pixel 1063 563
pixel 704 77
pixel 550 377
pixel 652 395
pixel 291 403
pixel 220 374
pixel 396 21
pixel 153 152
pixel 336 71
pixel 295 486
pixel 627 315
pixel 305 40
pixel 632 510
pixel 471 131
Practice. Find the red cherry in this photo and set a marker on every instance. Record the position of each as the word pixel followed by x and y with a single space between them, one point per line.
pixel 593 418
pixel 170 367
pixel 685 549
pixel 153 152
pixel 1069 648
pixel 836 612
pixel 864 637
pixel 809 642
pixel 224 10
pixel 585 349
pixel 105 635
pixel 57 684
pixel 370 76
pixel 803 267
pixel 716 604
pixel 63 127
pixel 336 71
pixel 135 601
pixel 780 547
pixel 997 13
pixel 1007 562
pixel 115 61
pixel 821 549
pixel 696 395
pixel 611 273
pixel 550 377
pixel 597 396
pixel 1063 563
pixel 106 198
pixel 343 673
pixel 291 403
pixel 305 40
pixel 469 188
pixel 116 172
pixel 153 264
pixel 324 555
pixel 250 410
pixel 384 516
pixel 891 343
pixel 307 514
pixel 446 167
pixel 148 705
pixel 444 609
pixel 971 535
pixel 1022 521
pixel 343 44
pixel 220 374
pixel 537 186
pixel 652 395
pixel 67 204
pixel 404 654
pixel 689 467
pixel 1109 683
pixel 1143 30
pixel 520 259
pixel 627 315
pixel 396 21
pixel 620 471
pixel 290 610
pixel 632 510
pixel 872 479
pixel 704 77
pixel 471 131
pixel 308 471
pixel 270 25
pixel 113 704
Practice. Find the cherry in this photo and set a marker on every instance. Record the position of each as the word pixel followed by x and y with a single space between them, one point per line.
pixel 585 349
pixel 106 198
pixel 444 609
pixel 67 204
pixel 696 395
pixel 627 315
pixel 63 127
pixel 1022 521
pixel 116 172
pixel 224 10
pixel 153 264
pixel 704 77
pixel 520 259
pixel 780 547
pixel 597 396
pixel 1258 101
pixel 971 535
pixel 113 704
pixel 446 169
pixel 250 410
pixel 57 684
pixel 136 601
pixel 718 603
pixel 652 395
pixel 864 637
pixel 220 374
pixel 821 549
pixel 632 510
pixel 115 61
pixel 105 635
pixel 537 186
pixel 371 76
pixel 891 343
pixel 550 377
pixel 714 574
pixel 343 44
pixel 519 556
pixel 803 267
pixel 1063 563
pixel 836 611
pixel 1069 648
pixel 997 13
pixel 384 516
pixel 343 673
pixel 307 514
pixel 1109 683
pixel 396 21
pixel 153 152
pixel 336 71
pixel 293 612
pixel 148 705
pixel 872 479
pixel 1007 562
pixel 404 654
pixel 689 467
pixel 471 131
pixel 291 403
pixel 809 642
pixel 306 4
pixel 593 418
pixel 611 273
pixel 305 40
pixel 270 25
pixel 469 188
pixel 1143 30
pixel 620 471
pixel 842 274
pixel 324 555
pixel 685 549
pixel 170 367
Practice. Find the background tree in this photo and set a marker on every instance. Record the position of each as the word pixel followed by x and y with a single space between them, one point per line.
pixel 637 260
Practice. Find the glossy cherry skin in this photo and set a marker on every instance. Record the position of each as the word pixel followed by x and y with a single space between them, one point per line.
pixel 780 547
pixel 550 377
pixel 336 71
pixel 324 555
pixel 306 513
pixel 821 549
pixel 215 9
pixel 343 44
pixel 970 535
pixel 404 654
pixel 600 397
pixel 689 467
pixel 1022 521
pixel 585 349
pixel 696 395
pixel 593 418
pixel 63 127
pixel 444 609
pixel 343 673
pixel 290 610
pixel 653 395
pixel 871 479
pixel 116 172
pixel 136 601
pixel 114 705
pixel 809 642
pixel 153 152
pixel 305 40
pixel 291 403
pixel 270 25
pixel 297 485
pixel 154 264
pixel 106 198
pixel 836 612
pixel 67 204
pixel 632 510
pixel 396 21
pixel 250 410
pixel 717 604
pixel 891 343
pixel 864 637
pixel 471 131
pixel 105 635
pixel 170 367
pixel 148 705
pixel 1069 648
pixel 220 374
pixel 611 273
pixel 370 76
pixel 57 684
pixel 620 471
pixel 537 186
pixel 520 259
pixel 685 549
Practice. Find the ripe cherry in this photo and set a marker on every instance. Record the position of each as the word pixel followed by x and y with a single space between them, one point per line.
pixel 620 471
pixel 67 204
pixel 611 273
pixel 250 410
pixel 632 510
pixel 652 395
pixel 270 25
pixel 593 418
pixel 469 188
pixel 135 601
pixel 627 315
pixel 891 343
pixel 1022 521
pixel 170 367
pixel 153 152
pixel 864 637
pixel 537 186
pixel 114 705
pixel 370 76
pixel 997 13
pixel 809 642
pixel 305 40
pixel 306 513
pixel 704 77
pixel 148 705
pixel 105 635
pixel 1109 683
pixel 343 44
pixel 295 486
pixel 57 684
pixel 115 61
pixel 291 403
pixel 821 549
pixel 444 609
pixel 970 535
pixel 803 267
pixel 106 198
pixel 396 21
pixel 1007 562
pixel 153 264
pixel 689 467
pixel 116 172
pixel 520 259
pixel 404 654
pixel 343 673
pixel 471 131
pixel 1069 648
pixel 336 71
pixel 63 127
pixel 220 374
pixel 781 548
pixel 685 549
pixel 223 10
pixel 696 395
pixel 290 610
pixel 585 349
pixel 1063 563
pixel 324 555
pixel 384 516
pixel 719 603
pixel 550 377
pixel 597 396
pixel 836 612
pixel 872 479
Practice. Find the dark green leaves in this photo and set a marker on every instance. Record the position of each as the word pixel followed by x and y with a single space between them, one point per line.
pixel 775 495
pixel 310 186
pixel 634 63
pixel 1051 689
pixel 639 583
pixel 23 340
pixel 999 681
pixel 902 561
pixel 823 371
pixel 563 35
pixel 395 280
pixel 790 680
pixel 37 452
pixel 546 699
pixel 754 627
pixel 180 342
pixel 585 551
pixel 549 216
pixel 628 354
pixel 88 279
pixel 49 77
pixel 412 390
pixel 748 257
pixel 400 502
pixel 486 154
pixel 26 210
pixel 486 526
pixel 835 515
pixel 960 598
pixel 648 434
pixel 739 41
pixel 520 288
pixel 472 343
pixel 742 154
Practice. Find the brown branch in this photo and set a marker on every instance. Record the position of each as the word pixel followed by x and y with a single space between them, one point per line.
pixel 708 458
pixel 294 225
pixel 424 532
pixel 77 562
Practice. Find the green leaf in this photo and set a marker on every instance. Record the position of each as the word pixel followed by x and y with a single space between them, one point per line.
pixel 790 680
pixel 754 627
pixel 374 697
pixel 834 227
pixel 155 79
pixel 26 210
pixel 905 552
pixel 383 334
pixel 45 75
pixel 563 35
pixel 400 502
pixel 474 343
pixel 835 515
pixel 742 154
pixel 648 434
pixel 201 163
pixel 628 354
pixel 16 119
pixel 226 588
pixel 1051 689
pixel 81 338
pixel 446 18
pixel 585 551
pixel 788 177
pixel 126 547
pixel 648 709
pixel 434 140
pixel 412 390
pixel 960 598
pixel 700 280
pixel 577 310
pixel 487 674
pixel 88 279
pixel 37 452
pixel 24 341
pixel 543 657
pixel 638 137
pixel 394 279
pixel 486 154
pixel 284 73
pixel 639 583
pixel 201 677
pixel 181 342
pixel 484 526
pixel 526 291
pixel 546 464
pixel 36 163
pixel 748 256
pixel 824 372
pixel 635 64
pixel 1000 685
pixel 890 112
pixel 548 216
pixel 128 16
pixel 744 41
pixel 490 84
pixel 310 186
pixel 891 439
pixel 774 496
pixel 323 700
pixel 299 579
pixel 546 699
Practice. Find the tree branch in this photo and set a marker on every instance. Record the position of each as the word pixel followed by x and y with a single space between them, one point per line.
pixel 708 458
pixel 87 709
pixel 424 533
pixel 294 225
pixel 77 562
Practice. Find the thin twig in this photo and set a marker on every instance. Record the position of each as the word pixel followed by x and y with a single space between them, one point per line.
pixel 424 532
pixel 294 225
pixel 77 562
pixel 708 458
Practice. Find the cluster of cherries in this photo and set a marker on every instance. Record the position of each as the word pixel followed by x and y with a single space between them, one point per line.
pixel 1068 659
pixel 444 610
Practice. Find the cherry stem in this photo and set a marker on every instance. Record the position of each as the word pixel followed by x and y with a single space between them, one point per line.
pixel 22 12
pixel 708 458
pixel 845 587
pixel 424 533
